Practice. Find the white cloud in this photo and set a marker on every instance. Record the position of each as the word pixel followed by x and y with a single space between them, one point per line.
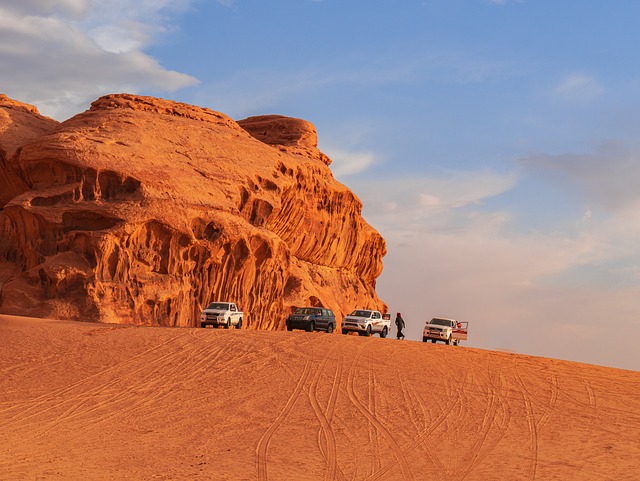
pixel 450 254
pixel 428 201
pixel 60 55
pixel 346 163
pixel 72 8
pixel 578 88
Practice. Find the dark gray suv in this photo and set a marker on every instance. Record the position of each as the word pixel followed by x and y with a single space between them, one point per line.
pixel 312 319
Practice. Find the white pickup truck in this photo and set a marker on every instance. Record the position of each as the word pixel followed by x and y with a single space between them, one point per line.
pixel 366 322
pixel 448 330
pixel 224 314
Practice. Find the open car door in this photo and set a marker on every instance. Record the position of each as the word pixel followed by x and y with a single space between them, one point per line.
pixel 461 332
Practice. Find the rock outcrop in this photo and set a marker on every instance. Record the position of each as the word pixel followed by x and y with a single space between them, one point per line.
pixel 142 211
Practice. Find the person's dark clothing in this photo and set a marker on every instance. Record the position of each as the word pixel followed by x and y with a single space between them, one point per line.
pixel 400 326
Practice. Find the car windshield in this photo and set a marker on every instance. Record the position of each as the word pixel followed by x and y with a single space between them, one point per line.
pixel 440 322
pixel 221 306
pixel 358 313
pixel 306 311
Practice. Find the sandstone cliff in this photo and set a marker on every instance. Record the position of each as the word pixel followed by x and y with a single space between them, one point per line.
pixel 142 210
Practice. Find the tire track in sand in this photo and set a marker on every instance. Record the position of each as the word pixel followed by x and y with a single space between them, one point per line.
pixel 263 444
pixel 47 402
pixel 398 453
pixel 326 436
pixel 407 449
pixel 531 422
pixel 493 429
pixel 150 389
pixel 152 384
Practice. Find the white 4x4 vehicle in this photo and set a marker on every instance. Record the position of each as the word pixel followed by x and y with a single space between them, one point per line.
pixel 224 314
pixel 366 322
pixel 448 330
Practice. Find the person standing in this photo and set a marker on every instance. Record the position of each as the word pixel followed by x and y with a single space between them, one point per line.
pixel 400 325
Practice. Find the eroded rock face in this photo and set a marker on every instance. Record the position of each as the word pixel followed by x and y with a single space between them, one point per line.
pixel 142 210
pixel 19 123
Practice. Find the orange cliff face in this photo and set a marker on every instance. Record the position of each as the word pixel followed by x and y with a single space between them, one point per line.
pixel 142 211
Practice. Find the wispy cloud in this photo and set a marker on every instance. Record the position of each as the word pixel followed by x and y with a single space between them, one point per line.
pixel 247 90
pixel 607 176
pixel 423 202
pixel 347 163
pixel 578 88
pixel 59 55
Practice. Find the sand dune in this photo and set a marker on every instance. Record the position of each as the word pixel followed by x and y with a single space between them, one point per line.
pixel 102 402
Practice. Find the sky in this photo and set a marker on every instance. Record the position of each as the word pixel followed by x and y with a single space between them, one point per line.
pixel 495 144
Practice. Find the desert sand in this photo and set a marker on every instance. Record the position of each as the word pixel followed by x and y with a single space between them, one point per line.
pixel 86 401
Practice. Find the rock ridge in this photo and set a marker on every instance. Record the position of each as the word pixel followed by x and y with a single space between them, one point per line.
pixel 143 210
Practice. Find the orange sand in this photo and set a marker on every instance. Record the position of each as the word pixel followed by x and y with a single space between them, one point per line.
pixel 100 402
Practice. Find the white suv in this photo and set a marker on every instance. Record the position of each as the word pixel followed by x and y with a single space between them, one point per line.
pixel 366 322
pixel 447 330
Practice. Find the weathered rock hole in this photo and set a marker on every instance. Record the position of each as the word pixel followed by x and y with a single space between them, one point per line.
pixel 112 185
pixel 263 253
pixel 81 244
pixel 293 284
pixel 315 302
pixel 260 212
pixel 52 200
pixel 206 230
pixel 212 232
pixel 112 262
pixel 87 221
pixel 244 198
pixel 48 173
pixel 88 185
pixel 268 184
pixel 240 253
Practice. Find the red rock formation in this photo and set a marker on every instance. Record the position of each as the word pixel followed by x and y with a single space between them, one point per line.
pixel 142 210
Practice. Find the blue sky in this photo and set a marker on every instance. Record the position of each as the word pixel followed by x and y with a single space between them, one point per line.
pixel 494 144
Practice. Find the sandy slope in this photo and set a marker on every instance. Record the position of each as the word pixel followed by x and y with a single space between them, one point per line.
pixel 87 401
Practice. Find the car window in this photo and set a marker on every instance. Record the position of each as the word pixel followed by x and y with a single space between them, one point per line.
pixel 305 311
pixel 376 315
pixel 218 305
pixel 441 322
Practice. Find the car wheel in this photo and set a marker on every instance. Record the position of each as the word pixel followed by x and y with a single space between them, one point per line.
pixel 311 327
pixel 425 339
pixel 239 326
pixel 289 328
pixel 367 333
pixel 384 332
pixel 345 331
pixel 330 328
pixel 448 341
pixel 433 341
pixel 228 324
